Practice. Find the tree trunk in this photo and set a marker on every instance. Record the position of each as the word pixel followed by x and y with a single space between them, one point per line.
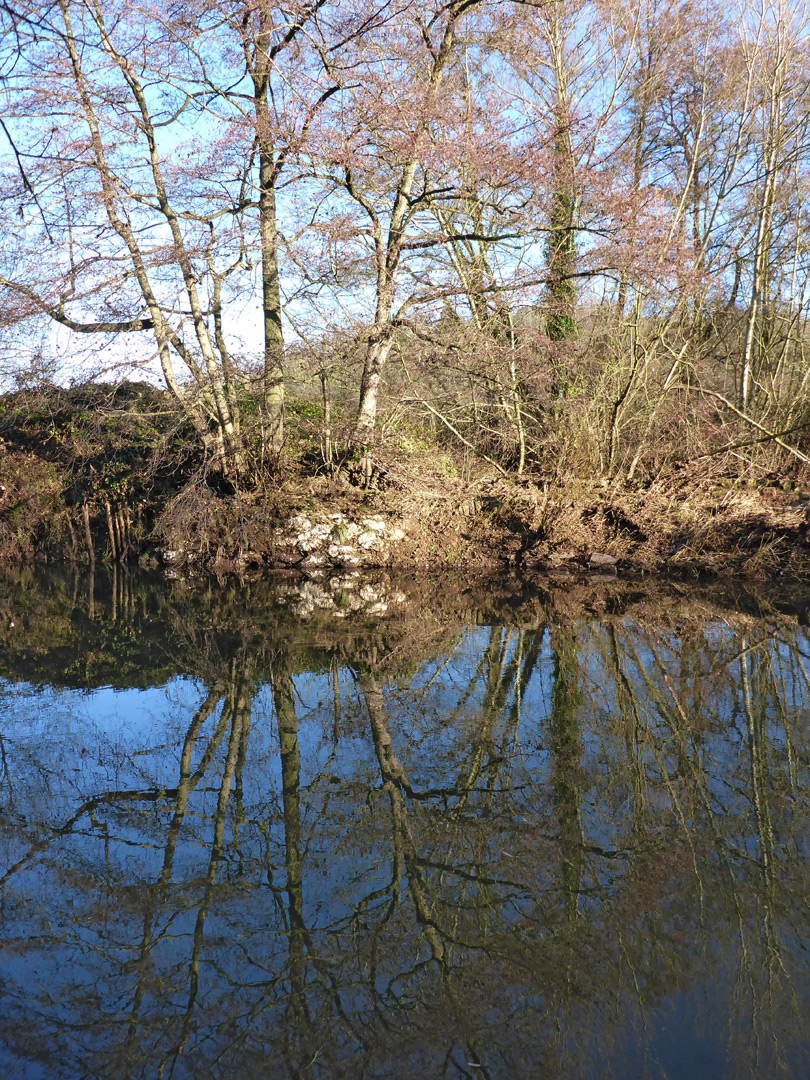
pixel 271 303
pixel 376 356
pixel 561 248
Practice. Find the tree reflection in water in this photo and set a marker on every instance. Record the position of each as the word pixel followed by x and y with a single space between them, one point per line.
pixel 541 834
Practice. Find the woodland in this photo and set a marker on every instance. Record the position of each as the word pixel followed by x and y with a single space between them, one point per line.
pixel 551 242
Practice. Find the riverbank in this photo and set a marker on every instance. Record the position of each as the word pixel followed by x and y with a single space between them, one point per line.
pixel 112 477
pixel 423 520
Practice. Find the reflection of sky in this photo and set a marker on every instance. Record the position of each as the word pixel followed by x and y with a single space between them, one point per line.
pixel 131 738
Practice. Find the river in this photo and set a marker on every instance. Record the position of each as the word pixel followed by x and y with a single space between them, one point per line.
pixel 365 826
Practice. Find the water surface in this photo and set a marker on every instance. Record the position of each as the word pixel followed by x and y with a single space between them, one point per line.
pixel 365 827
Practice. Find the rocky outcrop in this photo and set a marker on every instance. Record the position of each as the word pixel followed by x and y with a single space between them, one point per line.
pixel 336 540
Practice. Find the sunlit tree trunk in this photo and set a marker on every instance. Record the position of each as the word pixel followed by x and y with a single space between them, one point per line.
pixel 261 67
pixel 389 242
pixel 560 235
pixel 561 243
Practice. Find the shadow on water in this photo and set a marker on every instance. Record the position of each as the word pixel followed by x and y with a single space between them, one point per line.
pixel 364 827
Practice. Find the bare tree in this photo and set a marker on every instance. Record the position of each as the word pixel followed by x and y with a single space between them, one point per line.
pixel 387 158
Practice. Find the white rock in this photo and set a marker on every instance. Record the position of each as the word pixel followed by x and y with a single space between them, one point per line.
pixel 375 524
pixel 341 551
pixel 312 559
pixel 368 540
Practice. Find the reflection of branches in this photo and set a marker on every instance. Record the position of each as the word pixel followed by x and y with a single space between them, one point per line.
pixel 181 795
pixel 614 814
pixel 406 857
pixel 501 677
pixel 238 707
pixel 496 687
pixel 766 678
pixel 395 781
pixel 108 798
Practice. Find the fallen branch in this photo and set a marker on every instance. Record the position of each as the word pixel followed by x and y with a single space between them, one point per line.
pixel 768 435
pixel 750 442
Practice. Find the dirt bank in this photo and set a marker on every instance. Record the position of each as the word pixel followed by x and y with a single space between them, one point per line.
pixel 107 475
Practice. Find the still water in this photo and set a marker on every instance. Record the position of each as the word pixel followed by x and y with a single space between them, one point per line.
pixel 371 827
